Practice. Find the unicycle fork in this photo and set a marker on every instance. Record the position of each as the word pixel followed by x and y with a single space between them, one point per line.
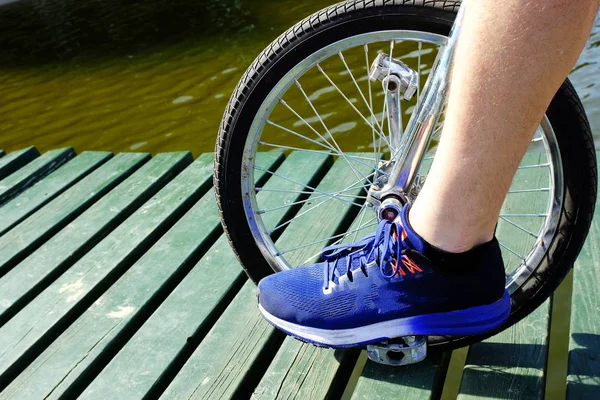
pixel 400 182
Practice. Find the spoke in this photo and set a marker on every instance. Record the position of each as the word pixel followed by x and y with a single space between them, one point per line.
pixel 419 73
pixel 360 222
pixel 358 87
pixel 331 152
pixel 524 215
pixel 512 251
pixel 375 150
pixel 385 93
pixel 307 200
pixel 534 166
pixel 310 103
pixel 306 186
pixel 260 189
pixel 305 122
pixel 529 190
pixel 336 152
pixel 334 196
pixel 331 244
pixel 519 227
pixel 341 236
pixel 301 136
pixel 438 129
pixel 350 187
pixel 344 96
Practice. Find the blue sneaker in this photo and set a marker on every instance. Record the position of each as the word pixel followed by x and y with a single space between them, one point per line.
pixel 387 286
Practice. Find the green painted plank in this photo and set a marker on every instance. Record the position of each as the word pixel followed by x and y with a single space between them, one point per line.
pixel 511 364
pixel 33 172
pixel 409 382
pixel 583 381
pixel 54 308
pixel 246 341
pixel 68 364
pixel 15 160
pixel 57 254
pixel 37 228
pixel 163 340
pixel 49 188
pixel 228 353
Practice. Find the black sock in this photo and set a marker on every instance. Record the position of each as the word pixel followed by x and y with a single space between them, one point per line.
pixel 457 261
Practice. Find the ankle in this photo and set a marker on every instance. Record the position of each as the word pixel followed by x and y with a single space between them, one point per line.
pixel 449 234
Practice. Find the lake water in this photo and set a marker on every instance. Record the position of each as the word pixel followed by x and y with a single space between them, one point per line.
pixel 152 76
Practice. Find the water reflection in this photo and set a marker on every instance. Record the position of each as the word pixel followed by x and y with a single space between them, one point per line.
pixel 585 77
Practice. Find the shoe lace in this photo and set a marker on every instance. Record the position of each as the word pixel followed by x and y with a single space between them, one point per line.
pixel 382 247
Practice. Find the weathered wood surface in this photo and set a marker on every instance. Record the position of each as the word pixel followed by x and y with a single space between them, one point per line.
pixel 183 320
pixel 33 172
pixel 58 304
pixel 40 226
pixel 420 381
pixel 74 357
pixel 15 160
pixel 117 282
pixel 46 190
pixel 583 381
pixel 62 250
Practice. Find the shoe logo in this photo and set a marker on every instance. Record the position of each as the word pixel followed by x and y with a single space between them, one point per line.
pixel 408 264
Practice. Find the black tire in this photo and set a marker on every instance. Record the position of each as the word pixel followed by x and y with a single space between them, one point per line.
pixel 566 115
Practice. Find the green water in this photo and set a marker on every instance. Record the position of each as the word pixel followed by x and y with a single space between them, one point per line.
pixel 151 76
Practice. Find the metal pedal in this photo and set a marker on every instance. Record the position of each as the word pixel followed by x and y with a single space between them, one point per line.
pixel 400 351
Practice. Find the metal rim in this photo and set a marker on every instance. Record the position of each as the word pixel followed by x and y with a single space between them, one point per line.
pixel 545 135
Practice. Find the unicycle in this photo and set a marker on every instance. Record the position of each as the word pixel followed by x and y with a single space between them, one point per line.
pixel 360 87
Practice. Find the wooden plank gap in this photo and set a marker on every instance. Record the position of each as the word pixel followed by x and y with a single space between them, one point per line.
pixel 29 278
pixel 48 189
pixel 33 172
pixel 95 367
pixel 17 159
pixel 83 350
pixel 79 384
pixel 348 359
pixel 55 309
pixel 181 323
pixel 67 209
pixel 194 340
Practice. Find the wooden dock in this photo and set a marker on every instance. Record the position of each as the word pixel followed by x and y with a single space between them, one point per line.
pixel 116 282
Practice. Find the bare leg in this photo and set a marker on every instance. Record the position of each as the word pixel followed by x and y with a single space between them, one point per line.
pixel 512 57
